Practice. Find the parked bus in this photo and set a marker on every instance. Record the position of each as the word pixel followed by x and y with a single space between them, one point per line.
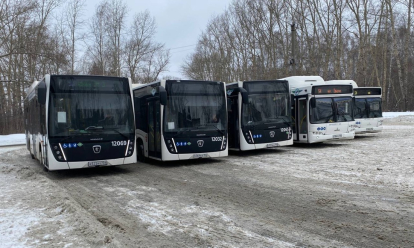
pixel 180 119
pixel 320 112
pixel 259 114
pixel 367 107
pixel 75 121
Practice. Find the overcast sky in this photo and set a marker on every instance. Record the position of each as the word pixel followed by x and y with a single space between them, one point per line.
pixel 179 23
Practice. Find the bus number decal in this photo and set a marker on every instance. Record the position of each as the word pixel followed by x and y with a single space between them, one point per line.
pixel 119 143
pixel 216 138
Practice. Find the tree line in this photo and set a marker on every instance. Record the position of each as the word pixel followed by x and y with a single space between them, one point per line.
pixel 369 41
pixel 39 37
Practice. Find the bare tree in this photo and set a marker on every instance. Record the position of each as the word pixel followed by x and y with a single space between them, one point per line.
pixel 74 21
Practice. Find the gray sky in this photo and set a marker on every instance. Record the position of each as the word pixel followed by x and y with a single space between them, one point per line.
pixel 179 23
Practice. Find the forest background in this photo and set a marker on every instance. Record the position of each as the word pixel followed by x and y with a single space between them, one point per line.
pixel 369 41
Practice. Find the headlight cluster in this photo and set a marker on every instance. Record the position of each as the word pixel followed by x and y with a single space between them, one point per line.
pixel 249 138
pixel 224 143
pixel 130 149
pixel 58 152
pixel 171 146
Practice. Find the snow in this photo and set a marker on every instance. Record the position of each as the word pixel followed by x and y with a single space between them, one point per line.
pixel 13 139
pixel 16 220
pixel 395 114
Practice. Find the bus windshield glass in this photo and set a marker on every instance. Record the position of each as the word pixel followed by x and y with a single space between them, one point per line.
pixel 85 105
pixel 335 109
pixel 360 108
pixel 268 103
pixel 194 105
pixel 343 109
pixel 374 107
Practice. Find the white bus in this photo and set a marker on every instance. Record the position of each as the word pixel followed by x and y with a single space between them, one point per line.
pixel 75 121
pixel 259 114
pixel 367 107
pixel 320 112
pixel 180 119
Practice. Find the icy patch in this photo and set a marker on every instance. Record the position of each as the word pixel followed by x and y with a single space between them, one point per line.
pixel 12 230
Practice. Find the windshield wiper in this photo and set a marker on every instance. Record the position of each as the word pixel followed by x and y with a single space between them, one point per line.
pixel 93 128
pixel 211 125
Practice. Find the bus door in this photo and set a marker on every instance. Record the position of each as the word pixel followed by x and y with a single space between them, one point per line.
pixel 154 127
pixel 301 119
pixel 233 121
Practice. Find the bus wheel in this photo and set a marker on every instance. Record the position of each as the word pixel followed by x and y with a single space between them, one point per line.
pixel 140 152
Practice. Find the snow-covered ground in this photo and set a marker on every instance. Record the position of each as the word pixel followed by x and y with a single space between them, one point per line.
pixel 13 139
pixel 356 193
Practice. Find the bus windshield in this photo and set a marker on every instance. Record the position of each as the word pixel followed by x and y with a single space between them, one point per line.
pixel 85 105
pixel 360 110
pixel 367 107
pixel 268 103
pixel 335 109
pixel 193 106
pixel 374 107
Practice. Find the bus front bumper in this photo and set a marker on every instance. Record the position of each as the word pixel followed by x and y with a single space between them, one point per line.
pixel 368 130
pixel 330 137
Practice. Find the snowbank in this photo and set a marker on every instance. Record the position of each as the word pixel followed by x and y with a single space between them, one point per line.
pixel 395 114
pixel 13 139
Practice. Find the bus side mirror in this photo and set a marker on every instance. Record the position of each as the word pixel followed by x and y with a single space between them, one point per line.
pixel 163 95
pixel 41 93
pixel 313 102
pixel 245 96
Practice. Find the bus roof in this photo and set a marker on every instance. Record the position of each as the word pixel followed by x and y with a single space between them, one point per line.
pixel 303 81
pixel 352 82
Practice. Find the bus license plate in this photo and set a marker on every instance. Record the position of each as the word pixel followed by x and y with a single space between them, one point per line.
pixel 97 163
pixel 272 145
pixel 337 136
pixel 370 129
pixel 202 155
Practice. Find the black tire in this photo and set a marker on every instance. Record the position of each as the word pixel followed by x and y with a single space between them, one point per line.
pixel 140 152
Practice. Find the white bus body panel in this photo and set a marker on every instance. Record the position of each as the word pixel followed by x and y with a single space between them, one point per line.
pixel 369 125
pixel 330 132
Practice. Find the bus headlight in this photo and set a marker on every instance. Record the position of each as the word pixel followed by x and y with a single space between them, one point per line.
pixel 171 145
pixel 224 143
pixel 129 149
pixel 58 152
pixel 249 138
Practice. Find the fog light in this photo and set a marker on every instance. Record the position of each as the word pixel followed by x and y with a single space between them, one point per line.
pixel 60 157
